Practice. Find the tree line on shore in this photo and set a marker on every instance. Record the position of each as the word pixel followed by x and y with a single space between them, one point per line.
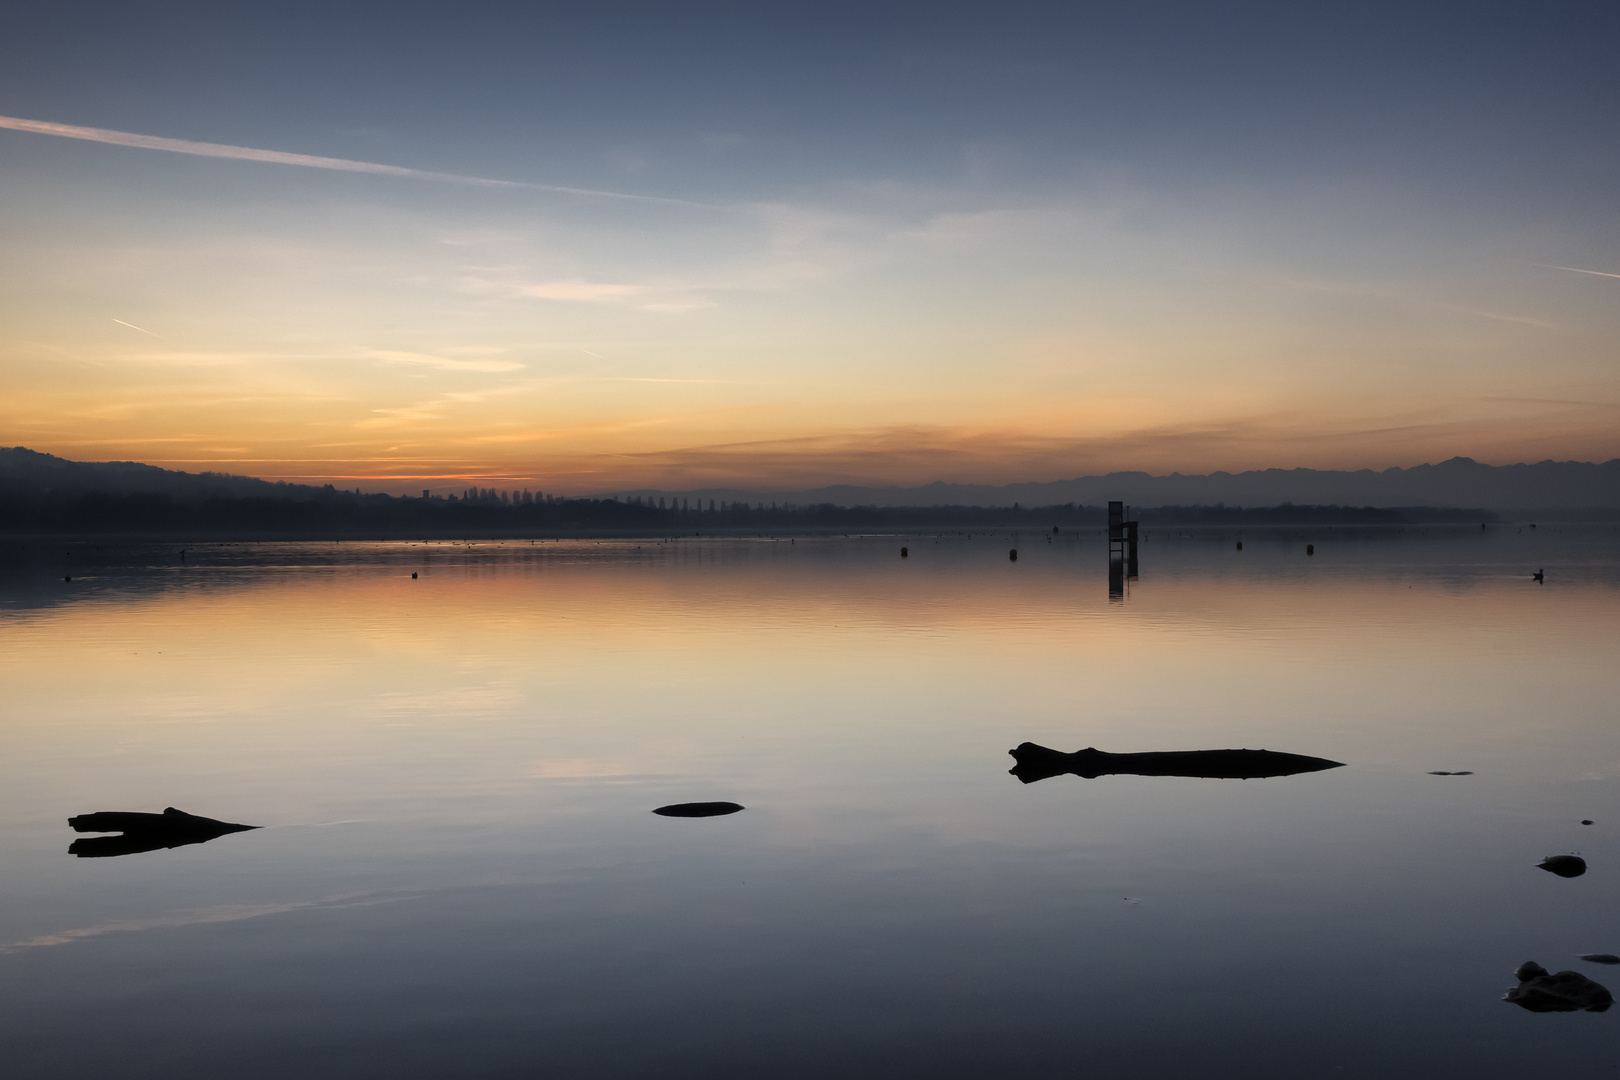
pixel 483 511
pixel 42 493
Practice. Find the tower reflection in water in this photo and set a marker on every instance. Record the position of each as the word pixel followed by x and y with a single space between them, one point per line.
pixel 1122 538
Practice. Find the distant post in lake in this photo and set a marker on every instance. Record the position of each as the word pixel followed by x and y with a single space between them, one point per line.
pixel 1122 538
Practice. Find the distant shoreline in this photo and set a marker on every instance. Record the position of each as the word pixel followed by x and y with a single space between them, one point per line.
pixel 43 495
pixel 13 542
pixel 345 514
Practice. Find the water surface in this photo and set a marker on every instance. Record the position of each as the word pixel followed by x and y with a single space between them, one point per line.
pixel 460 873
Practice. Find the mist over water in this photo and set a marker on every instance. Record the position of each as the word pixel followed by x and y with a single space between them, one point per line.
pixel 459 872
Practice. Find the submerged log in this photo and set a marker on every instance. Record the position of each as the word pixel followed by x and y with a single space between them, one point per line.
pixel 144 832
pixel 698 809
pixel 1039 762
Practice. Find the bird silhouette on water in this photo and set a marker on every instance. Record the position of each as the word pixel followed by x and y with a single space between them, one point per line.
pixel 1539 576
pixel 1567 991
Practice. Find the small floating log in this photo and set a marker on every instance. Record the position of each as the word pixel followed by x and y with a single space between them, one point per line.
pixel 145 832
pixel 1563 865
pixel 698 809
pixel 1039 762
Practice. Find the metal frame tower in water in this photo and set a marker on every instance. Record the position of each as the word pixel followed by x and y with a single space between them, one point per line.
pixel 1122 535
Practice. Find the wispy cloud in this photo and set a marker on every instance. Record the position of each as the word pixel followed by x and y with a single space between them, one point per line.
pixel 677 300
pixel 640 378
pixel 220 359
pixel 678 307
pixel 308 161
pixel 1577 270
pixel 1408 295
pixel 132 326
pixel 589 291
pixel 444 363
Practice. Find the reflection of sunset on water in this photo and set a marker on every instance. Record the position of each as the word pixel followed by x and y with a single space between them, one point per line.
pixel 461 768
pixel 531 646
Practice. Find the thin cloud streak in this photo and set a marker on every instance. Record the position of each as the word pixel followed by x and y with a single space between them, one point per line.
pixel 132 326
pixel 639 378
pixel 1577 270
pixel 445 363
pixel 308 161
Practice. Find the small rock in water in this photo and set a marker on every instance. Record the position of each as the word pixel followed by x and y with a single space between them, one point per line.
pixel 1567 991
pixel 1586 821
pixel 1564 865
pixel 698 809
pixel 1599 958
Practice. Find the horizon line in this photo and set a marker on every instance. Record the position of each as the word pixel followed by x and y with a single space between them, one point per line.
pixel 317 479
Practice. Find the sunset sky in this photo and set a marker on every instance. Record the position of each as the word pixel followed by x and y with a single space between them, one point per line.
pixel 584 247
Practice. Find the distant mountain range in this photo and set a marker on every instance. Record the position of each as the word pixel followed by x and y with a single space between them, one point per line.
pixel 41 493
pixel 1458 483
pixel 25 472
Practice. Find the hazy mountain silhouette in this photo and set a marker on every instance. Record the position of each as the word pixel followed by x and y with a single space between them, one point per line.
pixel 24 471
pixel 41 494
pixel 1457 483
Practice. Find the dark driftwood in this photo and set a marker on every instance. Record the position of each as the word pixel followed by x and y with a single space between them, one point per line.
pixel 698 809
pixel 1039 762
pixel 1563 865
pixel 144 832
pixel 1567 991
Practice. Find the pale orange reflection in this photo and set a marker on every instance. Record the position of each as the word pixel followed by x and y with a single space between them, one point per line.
pixel 507 666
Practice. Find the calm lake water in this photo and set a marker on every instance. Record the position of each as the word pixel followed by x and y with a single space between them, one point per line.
pixel 459 874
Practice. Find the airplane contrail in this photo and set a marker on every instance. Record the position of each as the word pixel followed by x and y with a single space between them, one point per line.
pixel 308 161
pixel 132 326
pixel 1577 270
